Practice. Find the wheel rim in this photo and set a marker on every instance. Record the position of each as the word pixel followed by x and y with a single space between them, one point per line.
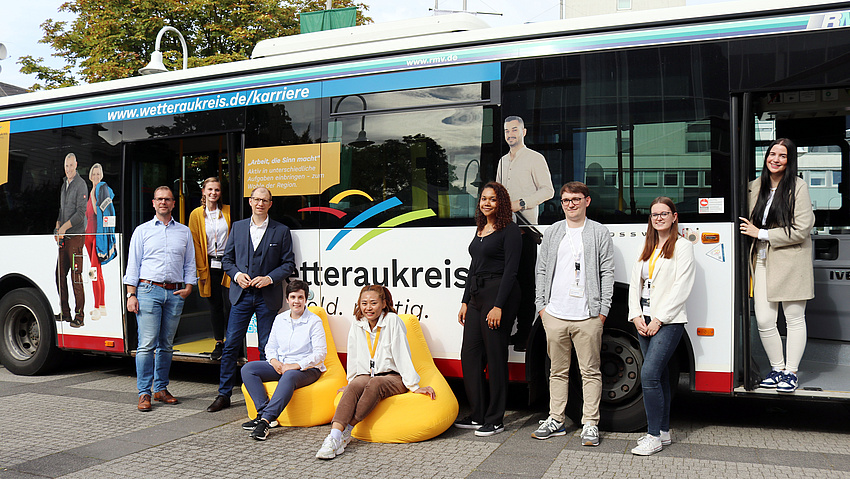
pixel 620 363
pixel 22 334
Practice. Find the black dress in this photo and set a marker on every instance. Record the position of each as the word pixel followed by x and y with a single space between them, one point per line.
pixel 491 283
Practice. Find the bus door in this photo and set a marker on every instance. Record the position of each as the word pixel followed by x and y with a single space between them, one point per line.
pixel 817 122
pixel 181 164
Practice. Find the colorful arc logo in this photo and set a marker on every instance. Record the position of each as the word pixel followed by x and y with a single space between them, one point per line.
pixel 369 213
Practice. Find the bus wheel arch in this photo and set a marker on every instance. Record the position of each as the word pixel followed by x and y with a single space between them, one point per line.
pixel 27 333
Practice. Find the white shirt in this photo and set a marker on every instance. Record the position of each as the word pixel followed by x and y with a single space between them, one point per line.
pixel 257 232
pixel 562 304
pixel 527 178
pixel 392 353
pixel 215 227
pixel 763 235
pixel 298 341
pixel 644 275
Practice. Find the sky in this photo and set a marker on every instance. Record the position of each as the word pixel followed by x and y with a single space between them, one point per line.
pixel 20 23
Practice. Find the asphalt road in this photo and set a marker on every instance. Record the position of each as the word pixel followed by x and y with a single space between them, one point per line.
pixel 82 422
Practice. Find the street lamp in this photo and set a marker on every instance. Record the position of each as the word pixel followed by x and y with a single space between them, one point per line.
pixel 156 65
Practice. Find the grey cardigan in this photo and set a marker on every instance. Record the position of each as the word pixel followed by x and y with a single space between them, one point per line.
pixel 599 264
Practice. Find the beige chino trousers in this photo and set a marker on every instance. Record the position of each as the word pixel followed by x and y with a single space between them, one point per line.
pixel 586 336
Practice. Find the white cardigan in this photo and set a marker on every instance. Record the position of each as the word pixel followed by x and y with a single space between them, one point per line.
pixel 392 353
pixel 671 285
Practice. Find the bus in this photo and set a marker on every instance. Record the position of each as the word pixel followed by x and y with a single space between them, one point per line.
pixel 374 141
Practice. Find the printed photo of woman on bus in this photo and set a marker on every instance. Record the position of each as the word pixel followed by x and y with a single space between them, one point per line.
pixel 100 238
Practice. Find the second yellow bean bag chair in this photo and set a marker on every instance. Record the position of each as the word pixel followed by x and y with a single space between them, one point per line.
pixel 411 417
pixel 313 404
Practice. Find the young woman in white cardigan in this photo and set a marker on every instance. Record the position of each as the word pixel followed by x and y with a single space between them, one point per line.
pixel 379 366
pixel 661 281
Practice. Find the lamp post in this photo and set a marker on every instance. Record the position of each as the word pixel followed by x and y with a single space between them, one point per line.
pixel 156 65
pixel 361 141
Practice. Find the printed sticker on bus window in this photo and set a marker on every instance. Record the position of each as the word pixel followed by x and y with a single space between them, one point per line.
pixel 710 205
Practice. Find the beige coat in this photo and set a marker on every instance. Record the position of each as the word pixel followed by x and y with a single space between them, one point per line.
pixel 790 275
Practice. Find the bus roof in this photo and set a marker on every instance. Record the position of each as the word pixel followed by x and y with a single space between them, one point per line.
pixel 430 34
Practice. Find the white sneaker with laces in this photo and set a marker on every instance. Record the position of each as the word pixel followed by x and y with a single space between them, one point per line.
pixel 590 435
pixel 666 440
pixel 331 448
pixel 549 427
pixel 346 436
pixel 647 445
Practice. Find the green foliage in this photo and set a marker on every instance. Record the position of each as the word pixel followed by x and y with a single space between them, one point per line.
pixel 112 39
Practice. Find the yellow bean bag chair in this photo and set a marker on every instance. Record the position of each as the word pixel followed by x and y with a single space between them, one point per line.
pixel 411 417
pixel 313 404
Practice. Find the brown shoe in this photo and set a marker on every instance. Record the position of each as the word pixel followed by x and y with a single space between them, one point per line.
pixel 145 402
pixel 221 402
pixel 165 396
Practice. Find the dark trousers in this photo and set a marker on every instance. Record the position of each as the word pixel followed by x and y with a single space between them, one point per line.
pixel 219 304
pixel 71 258
pixel 237 326
pixel 525 278
pixel 487 348
pixel 255 373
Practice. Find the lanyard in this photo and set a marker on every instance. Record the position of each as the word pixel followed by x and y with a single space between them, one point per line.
pixel 576 256
pixel 215 229
pixel 652 260
pixel 372 349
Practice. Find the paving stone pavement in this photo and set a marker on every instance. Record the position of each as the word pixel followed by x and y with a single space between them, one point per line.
pixel 82 422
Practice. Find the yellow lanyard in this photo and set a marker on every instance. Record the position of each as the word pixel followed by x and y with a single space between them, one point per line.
pixel 652 260
pixel 372 349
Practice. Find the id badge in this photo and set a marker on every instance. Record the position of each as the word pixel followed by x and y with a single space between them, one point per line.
pixel 372 368
pixel 215 264
pixel 576 291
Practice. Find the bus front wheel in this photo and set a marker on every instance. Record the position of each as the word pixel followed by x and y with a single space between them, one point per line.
pixel 28 343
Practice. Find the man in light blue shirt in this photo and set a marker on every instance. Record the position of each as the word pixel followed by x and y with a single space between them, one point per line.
pixel 160 274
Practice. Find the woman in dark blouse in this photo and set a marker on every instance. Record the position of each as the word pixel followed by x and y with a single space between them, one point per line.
pixel 490 303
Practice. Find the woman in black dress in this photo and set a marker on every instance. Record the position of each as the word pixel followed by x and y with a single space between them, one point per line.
pixel 489 307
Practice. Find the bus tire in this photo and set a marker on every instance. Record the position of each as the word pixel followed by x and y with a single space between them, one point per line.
pixel 27 338
pixel 621 408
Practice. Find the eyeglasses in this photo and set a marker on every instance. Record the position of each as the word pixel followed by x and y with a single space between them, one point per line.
pixel 575 201
pixel 261 200
pixel 663 214
pixel 163 200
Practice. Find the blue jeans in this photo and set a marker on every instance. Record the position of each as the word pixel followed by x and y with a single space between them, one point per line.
pixel 158 317
pixel 237 326
pixel 655 377
pixel 254 373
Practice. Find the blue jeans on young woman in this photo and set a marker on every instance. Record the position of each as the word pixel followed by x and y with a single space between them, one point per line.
pixel 250 303
pixel 655 377
pixel 254 373
pixel 158 317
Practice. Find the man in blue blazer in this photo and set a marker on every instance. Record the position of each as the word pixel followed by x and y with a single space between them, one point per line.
pixel 258 258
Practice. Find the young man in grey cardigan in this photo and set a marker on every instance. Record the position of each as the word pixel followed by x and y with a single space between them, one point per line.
pixel 575 283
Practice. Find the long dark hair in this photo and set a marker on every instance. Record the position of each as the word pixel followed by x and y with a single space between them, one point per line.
pixel 383 293
pixel 781 212
pixel 503 207
pixel 651 241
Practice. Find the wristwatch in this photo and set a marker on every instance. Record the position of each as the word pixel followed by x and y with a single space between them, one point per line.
pixel 130 295
pixel 522 203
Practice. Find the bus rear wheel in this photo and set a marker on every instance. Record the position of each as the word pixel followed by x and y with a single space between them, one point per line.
pixel 27 340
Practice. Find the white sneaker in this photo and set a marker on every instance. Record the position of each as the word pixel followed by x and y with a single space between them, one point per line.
pixel 331 448
pixel 589 435
pixel 647 446
pixel 666 440
pixel 346 436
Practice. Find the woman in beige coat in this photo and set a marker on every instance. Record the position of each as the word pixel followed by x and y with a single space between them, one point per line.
pixel 781 220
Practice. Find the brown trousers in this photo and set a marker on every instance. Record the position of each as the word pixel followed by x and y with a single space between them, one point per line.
pixel 71 258
pixel 363 393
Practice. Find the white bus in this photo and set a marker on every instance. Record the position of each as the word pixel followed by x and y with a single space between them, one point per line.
pixel 375 139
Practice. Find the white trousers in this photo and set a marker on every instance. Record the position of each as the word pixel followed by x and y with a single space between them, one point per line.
pixel 766 315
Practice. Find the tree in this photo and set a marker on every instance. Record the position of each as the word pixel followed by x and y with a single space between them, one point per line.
pixel 112 39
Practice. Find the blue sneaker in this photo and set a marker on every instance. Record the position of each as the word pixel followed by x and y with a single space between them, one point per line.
pixel 788 384
pixel 773 379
